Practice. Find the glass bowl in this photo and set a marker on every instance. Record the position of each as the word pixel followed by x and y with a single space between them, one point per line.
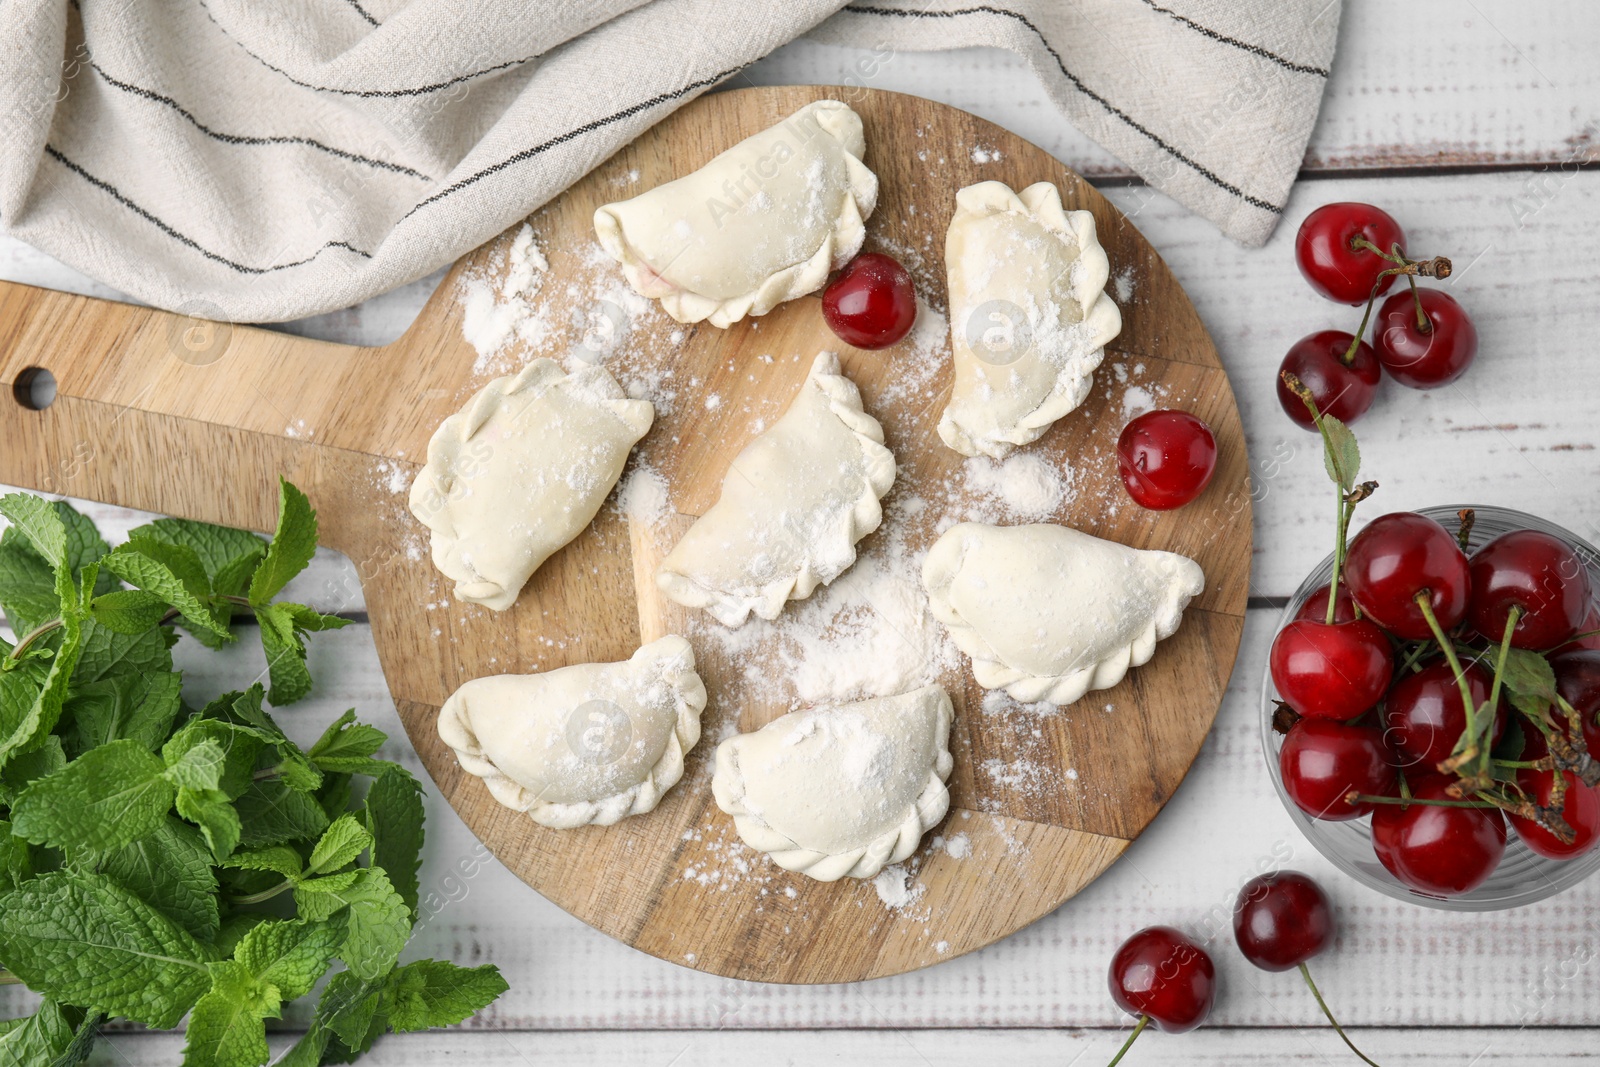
pixel 1523 876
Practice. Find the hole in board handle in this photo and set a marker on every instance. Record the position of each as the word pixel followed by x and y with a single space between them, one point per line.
pixel 34 389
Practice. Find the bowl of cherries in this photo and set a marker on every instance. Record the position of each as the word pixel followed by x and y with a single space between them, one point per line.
pixel 1429 712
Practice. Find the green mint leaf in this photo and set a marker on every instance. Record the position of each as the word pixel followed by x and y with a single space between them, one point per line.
pixel 169 869
pixel 347 747
pixel 84 544
pixel 335 794
pixel 290 955
pixel 83 939
pixel 274 814
pixel 100 801
pixel 233 929
pixel 286 655
pixel 293 545
pixel 227 1028
pixel 18 734
pixel 221 550
pixel 28 767
pixel 27 583
pixel 348 1008
pixel 148 565
pixel 280 859
pixel 394 816
pixel 430 993
pixel 1340 453
pixel 19 693
pixel 218 820
pixel 318 898
pixel 378 922
pixel 45 1037
pixel 38 521
pixel 242 744
pixel 16 858
pixel 199 768
pixel 138 707
pixel 339 845
pixel 128 611
pixel 245 708
pixel 107 654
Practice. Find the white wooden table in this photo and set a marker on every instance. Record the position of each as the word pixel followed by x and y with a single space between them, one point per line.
pixel 1475 124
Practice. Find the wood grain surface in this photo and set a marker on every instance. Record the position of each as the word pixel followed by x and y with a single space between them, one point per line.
pixel 154 412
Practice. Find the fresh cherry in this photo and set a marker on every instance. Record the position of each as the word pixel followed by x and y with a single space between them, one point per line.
pixel 1590 628
pixel 1331 672
pixel 1441 851
pixel 1537 573
pixel 1580 808
pixel 1343 390
pixel 1316 606
pixel 1280 921
pixel 1163 977
pixel 1166 458
pixel 1322 761
pixel 1424 358
pixel 872 304
pixel 1396 557
pixel 1578 682
pixel 1330 260
pixel 1425 715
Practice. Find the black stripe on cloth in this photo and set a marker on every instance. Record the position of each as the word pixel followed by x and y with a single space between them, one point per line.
pixel 1253 49
pixel 561 139
pixel 240 139
pixel 985 9
pixel 421 90
pixel 181 238
pixel 363 12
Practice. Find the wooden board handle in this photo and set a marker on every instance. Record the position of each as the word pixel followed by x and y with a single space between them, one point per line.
pixel 184 416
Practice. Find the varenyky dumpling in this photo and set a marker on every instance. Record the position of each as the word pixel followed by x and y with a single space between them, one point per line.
pixel 793 505
pixel 840 791
pixel 520 471
pixel 1029 316
pixel 764 222
pixel 1048 612
pixel 591 743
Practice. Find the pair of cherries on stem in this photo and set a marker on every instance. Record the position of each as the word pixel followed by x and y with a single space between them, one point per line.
pixel 1352 253
pixel 1161 976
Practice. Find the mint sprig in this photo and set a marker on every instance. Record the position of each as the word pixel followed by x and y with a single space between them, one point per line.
pixel 159 862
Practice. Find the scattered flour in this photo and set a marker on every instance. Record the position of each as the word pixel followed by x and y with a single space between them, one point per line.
pixel 492 316
pixel 643 495
pixel 1136 401
pixel 1122 284
pixel 1028 486
pixel 982 154
pixel 895 887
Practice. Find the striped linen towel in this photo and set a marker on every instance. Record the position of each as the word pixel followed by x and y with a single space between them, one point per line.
pixel 272 161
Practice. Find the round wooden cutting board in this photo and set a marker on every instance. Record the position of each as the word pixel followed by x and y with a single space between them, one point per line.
pixel 196 419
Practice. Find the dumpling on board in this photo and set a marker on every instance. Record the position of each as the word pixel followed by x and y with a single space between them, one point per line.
pixel 793 505
pixel 1029 316
pixel 580 745
pixel 764 222
pixel 1048 612
pixel 521 471
pixel 844 790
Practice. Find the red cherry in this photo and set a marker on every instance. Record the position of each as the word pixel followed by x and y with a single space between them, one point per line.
pixel 1437 850
pixel 872 303
pixel 1590 624
pixel 1331 672
pixel 1281 920
pixel 1536 572
pixel 1321 761
pixel 1343 390
pixel 1425 715
pixel 1580 808
pixel 1161 974
pixel 1396 557
pixel 1316 606
pixel 1166 458
pixel 1329 260
pixel 1424 359
pixel 1578 682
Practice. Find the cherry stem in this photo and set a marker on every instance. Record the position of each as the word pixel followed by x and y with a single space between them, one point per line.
pixel 1305 972
pixel 1473 727
pixel 1353 797
pixel 1437 267
pixel 1416 655
pixel 1580 637
pixel 1424 601
pixel 1424 324
pixel 1144 1021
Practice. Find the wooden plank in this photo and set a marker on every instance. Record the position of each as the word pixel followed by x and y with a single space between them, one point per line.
pixel 1430 83
pixel 1394 964
pixel 945 1048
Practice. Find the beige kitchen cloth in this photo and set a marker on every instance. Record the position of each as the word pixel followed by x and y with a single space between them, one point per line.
pixel 268 161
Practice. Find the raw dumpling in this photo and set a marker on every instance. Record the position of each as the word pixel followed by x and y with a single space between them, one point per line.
pixel 764 222
pixel 520 471
pixel 1029 317
pixel 793 505
pixel 843 790
pixel 1049 612
pixel 592 743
